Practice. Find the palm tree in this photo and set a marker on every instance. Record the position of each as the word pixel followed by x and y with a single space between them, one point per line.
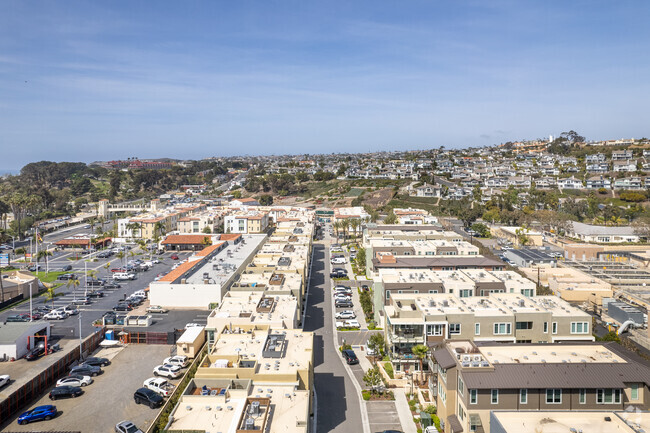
pixel 74 283
pixel 22 251
pixel 43 254
pixel 133 227
pixel 355 224
pixel 420 351
pixel 51 294
pixel 159 228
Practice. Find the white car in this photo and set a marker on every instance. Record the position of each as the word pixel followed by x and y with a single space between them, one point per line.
pixel 127 427
pixel 167 370
pixel 159 385
pixel 339 324
pixel 193 325
pixel 345 315
pixel 352 324
pixel 342 297
pixel 71 309
pixel 181 360
pixel 339 261
pixel 343 290
pixel 75 381
pixel 122 276
pixel 56 315
pixel 4 379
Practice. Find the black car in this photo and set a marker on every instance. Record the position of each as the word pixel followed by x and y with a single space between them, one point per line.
pixel 36 353
pixel 66 268
pixel 338 274
pixel 97 362
pixel 94 283
pixel 86 370
pixel 65 392
pixel 148 397
pixel 65 277
pixel 122 307
pixel 343 304
pixel 350 357
pixel 95 294
pixel 112 285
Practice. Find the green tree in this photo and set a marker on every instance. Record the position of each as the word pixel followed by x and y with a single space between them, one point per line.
pixel 377 343
pixel 207 230
pixel 266 200
pixel 43 254
pixel 372 378
pixel 361 257
pixel 51 294
pixel 391 218
pixel 420 351
pixel 207 241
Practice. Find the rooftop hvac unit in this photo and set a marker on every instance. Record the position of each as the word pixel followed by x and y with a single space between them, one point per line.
pixel 467 358
pixel 477 358
pixel 249 424
pixel 254 408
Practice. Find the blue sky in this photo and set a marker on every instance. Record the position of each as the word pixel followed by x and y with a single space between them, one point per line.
pixel 86 81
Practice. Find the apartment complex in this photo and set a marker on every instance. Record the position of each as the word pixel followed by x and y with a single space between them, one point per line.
pixel 474 381
pixel 252 221
pixel 432 319
pixel 461 283
pixel 253 378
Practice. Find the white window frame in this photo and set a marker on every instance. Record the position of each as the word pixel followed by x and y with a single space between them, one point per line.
pixel 461 386
pixel 452 326
pixel 582 396
pixel 494 393
pixel 473 396
pixel 477 329
pixel 583 325
pixel 523 396
pixel 437 330
pixel 615 394
pixel 554 328
pixel 634 391
pixel 507 325
pixel 554 395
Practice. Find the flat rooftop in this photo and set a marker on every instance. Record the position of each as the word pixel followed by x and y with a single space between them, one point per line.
pixel 550 354
pixel 219 268
pixel 253 308
pixel 563 421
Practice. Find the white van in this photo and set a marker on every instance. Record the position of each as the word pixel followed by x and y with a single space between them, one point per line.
pixel 338 260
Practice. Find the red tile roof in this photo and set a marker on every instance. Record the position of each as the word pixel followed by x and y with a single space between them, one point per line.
pixel 184 239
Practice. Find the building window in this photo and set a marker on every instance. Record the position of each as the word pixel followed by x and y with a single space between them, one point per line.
pixel 545 327
pixel 473 396
pixel 634 391
pixel 580 327
pixel 554 327
pixel 477 329
pixel 461 386
pixel 582 396
pixel 435 330
pixel 495 396
pixel 454 328
pixel 466 293
pixel 554 396
pixel 502 328
pixel 387 294
pixel 608 396
pixel 524 325
pixel 523 396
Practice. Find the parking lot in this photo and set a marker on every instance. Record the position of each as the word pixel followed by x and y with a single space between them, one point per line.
pixel 109 399
pixel 383 416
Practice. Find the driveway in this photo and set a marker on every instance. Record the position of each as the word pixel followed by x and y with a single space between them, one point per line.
pixel 383 416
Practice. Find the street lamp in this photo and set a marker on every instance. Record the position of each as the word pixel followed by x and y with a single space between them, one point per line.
pixel 31 312
pixel 80 340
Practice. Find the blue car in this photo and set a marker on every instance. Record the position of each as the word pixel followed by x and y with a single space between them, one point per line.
pixel 39 413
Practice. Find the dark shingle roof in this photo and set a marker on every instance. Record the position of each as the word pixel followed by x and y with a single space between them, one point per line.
pixel 444 358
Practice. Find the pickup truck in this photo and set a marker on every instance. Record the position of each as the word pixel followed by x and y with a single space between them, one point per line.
pixel 159 385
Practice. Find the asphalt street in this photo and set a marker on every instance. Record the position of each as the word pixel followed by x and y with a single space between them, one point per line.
pixel 337 400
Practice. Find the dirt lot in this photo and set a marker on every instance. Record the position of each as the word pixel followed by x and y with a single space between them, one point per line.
pixel 109 399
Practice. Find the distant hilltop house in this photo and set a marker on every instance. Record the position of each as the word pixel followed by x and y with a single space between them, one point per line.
pixel 603 234
pixel 138 164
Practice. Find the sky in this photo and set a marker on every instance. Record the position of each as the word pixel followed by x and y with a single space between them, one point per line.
pixel 91 80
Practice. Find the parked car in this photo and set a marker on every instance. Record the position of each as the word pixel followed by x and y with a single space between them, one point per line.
pixel 120 269
pixel 369 351
pixel 148 397
pixel 181 360
pixel 350 357
pixel 56 315
pixel 342 297
pixel 66 277
pixel 81 301
pixel 96 294
pixel 4 380
pixel 122 307
pixel 91 282
pixel 167 370
pixel 174 257
pixel 86 370
pixel 127 427
pixel 192 325
pixel 18 318
pixel 338 274
pixel 338 261
pixel 76 380
pixel 159 385
pixel 112 285
pixel 343 304
pixel 97 362
pixel 156 309
pixel 65 392
pixel 352 324
pixel 34 268
pixel 71 309
pixel 39 413
pixel 66 268
pixel 348 314
pixel 122 276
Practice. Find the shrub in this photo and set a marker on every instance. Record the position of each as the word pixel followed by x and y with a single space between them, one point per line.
pixel 389 370
pixel 345 347
pixel 365 394
pixel 431 409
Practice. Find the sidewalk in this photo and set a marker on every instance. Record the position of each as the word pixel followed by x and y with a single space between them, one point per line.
pixel 403 411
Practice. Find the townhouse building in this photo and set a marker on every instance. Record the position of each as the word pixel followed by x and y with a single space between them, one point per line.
pixel 253 221
pixel 597 182
pixel 569 183
pixel 624 166
pixel 432 319
pixel 622 155
pixel 474 380
pixel 598 167
pixel 595 158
